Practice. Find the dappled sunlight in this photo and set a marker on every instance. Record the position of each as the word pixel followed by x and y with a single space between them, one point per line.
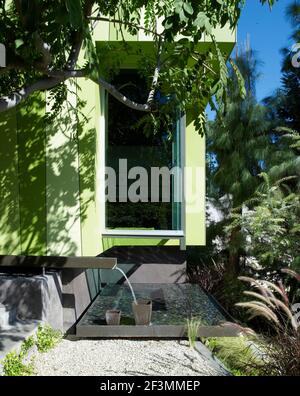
pixel 42 176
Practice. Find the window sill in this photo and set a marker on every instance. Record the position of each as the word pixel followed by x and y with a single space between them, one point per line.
pixel 162 234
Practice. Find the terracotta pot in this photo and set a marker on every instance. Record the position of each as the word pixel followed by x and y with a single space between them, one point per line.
pixel 113 317
pixel 142 311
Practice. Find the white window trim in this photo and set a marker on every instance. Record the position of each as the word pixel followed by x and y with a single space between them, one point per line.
pixel 143 233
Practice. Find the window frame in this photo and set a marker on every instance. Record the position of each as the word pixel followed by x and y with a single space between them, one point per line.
pixel 137 233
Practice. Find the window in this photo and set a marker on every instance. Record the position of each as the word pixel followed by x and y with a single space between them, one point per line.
pixel 143 169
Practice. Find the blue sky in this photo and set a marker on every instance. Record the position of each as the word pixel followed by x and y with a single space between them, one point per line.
pixel 269 31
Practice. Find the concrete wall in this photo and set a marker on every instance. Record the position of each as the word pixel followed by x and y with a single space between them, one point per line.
pixel 57 298
pixel 76 296
pixel 32 298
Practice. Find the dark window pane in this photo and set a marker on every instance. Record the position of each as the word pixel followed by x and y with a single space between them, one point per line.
pixel 128 141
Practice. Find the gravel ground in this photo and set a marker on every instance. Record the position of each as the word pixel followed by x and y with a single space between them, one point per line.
pixel 123 357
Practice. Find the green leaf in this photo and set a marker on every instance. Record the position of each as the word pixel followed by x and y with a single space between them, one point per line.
pixel 168 23
pixel 182 16
pixel 188 8
pixel 74 9
pixel 208 26
pixel 240 79
pixel 18 43
pixel 200 20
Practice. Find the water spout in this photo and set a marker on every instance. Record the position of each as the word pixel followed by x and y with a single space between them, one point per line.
pixel 129 284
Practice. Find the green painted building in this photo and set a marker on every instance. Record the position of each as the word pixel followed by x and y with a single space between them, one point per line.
pixel 52 173
pixel 53 176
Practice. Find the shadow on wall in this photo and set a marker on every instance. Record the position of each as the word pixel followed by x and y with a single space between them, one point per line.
pixel 47 183
pixel 40 183
pixel 9 190
pixel 70 173
pixel 31 177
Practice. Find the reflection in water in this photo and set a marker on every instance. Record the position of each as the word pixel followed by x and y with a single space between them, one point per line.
pixel 172 304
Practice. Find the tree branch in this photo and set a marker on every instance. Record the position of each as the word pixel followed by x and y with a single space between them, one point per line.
pixel 9 102
pixel 156 73
pixel 78 38
pixel 56 77
pixel 63 75
pixel 44 49
pixel 122 98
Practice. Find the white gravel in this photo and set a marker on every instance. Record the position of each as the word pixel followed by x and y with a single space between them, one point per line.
pixel 81 357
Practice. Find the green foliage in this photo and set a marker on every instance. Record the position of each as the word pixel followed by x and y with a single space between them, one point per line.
pixel 272 302
pixel 275 352
pixel 283 110
pixel 239 141
pixel 270 228
pixel 13 365
pixel 238 148
pixel 27 345
pixel 193 325
pixel 47 338
pixel 237 353
pixel 281 346
pixel 251 139
pixel 42 39
pixel 285 102
pixel 16 364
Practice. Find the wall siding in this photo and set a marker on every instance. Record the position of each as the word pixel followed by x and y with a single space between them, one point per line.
pixel 22 173
pixel 32 175
pixel 10 242
pixel 62 183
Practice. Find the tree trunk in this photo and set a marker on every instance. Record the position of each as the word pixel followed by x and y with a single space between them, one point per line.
pixel 233 266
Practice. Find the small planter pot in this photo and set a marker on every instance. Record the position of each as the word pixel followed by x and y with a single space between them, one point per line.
pixel 113 317
pixel 142 312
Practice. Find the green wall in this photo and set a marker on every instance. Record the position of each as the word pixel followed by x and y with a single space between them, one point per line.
pixel 50 173
pixel 9 185
pixel 50 180
pixel 62 182
pixel 23 179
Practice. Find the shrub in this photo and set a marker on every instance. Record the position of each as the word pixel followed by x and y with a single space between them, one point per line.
pixel 239 354
pixel 283 354
pixel 27 344
pixel 13 365
pixel 47 338
pixel 205 269
pixel 269 224
pixel 282 343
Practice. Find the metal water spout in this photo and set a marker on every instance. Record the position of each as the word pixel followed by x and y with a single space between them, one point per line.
pixel 129 284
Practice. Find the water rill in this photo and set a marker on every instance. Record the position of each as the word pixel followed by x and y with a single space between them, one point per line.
pixel 142 308
pixel 128 282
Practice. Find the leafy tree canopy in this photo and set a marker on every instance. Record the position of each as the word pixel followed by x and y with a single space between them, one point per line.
pixel 43 39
